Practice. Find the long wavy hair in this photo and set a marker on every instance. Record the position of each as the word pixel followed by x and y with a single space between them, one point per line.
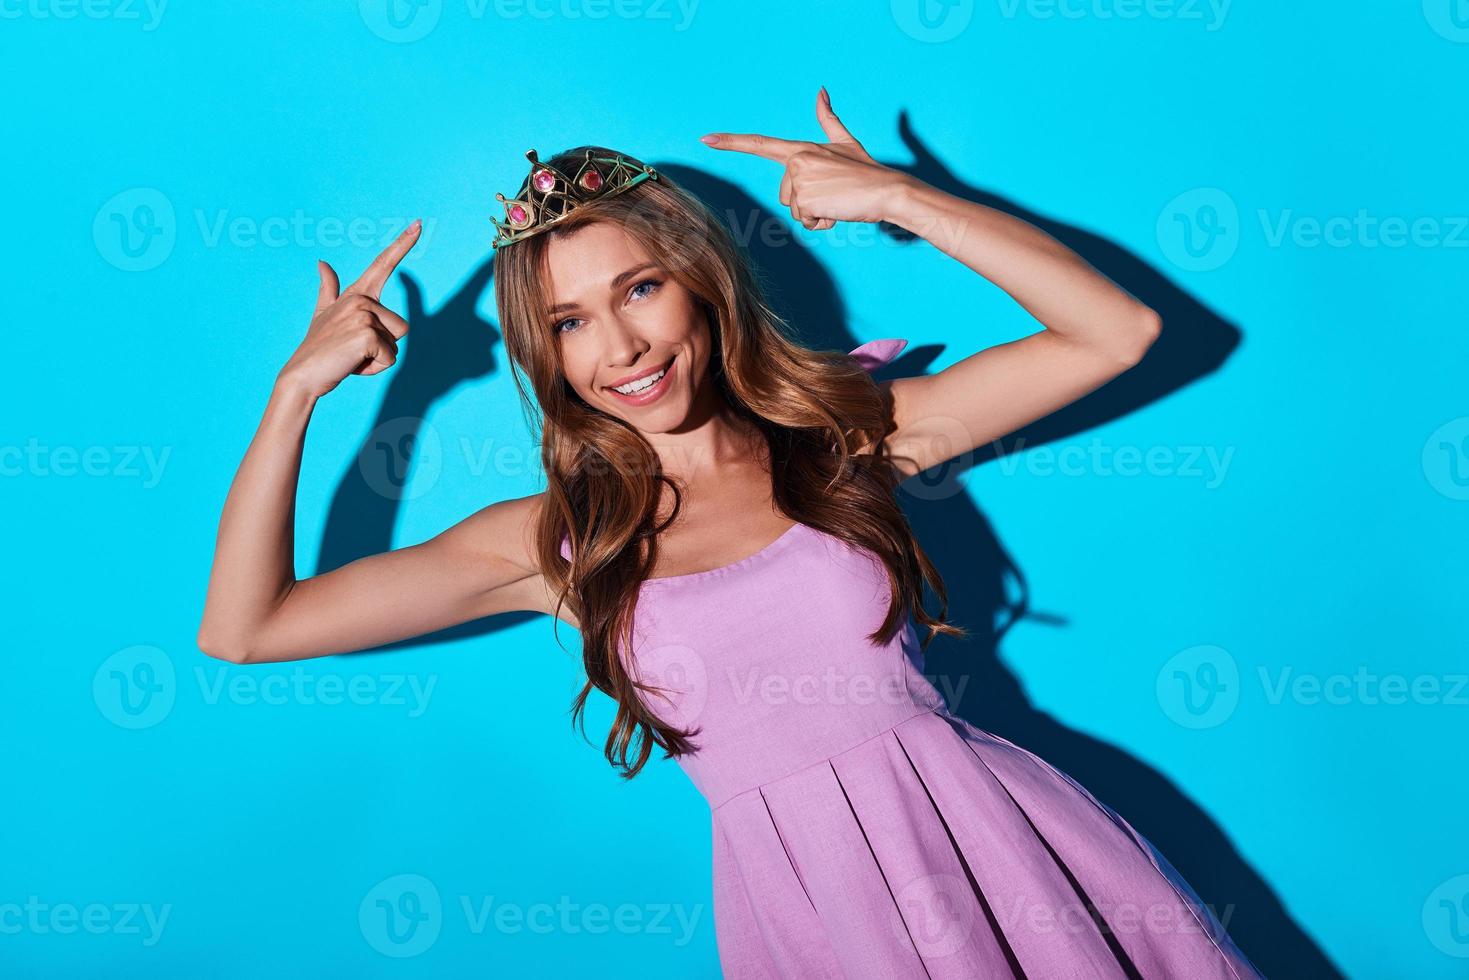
pixel 817 411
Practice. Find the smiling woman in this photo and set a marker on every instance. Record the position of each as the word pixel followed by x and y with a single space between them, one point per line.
pixel 642 303
pixel 733 493
pixel 720 522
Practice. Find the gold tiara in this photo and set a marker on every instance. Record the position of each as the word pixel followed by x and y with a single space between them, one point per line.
pixel 550 195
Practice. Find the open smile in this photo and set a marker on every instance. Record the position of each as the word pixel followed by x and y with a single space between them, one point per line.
pixel 647 388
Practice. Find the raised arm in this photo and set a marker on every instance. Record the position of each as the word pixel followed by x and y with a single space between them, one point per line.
pixel 1093 332
pixel 256 610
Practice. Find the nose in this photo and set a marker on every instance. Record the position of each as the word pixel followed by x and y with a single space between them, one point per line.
pixel 624 346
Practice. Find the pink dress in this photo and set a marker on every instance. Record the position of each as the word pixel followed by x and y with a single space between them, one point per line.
pixel 861 830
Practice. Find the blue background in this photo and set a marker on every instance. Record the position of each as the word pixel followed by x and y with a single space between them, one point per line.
pixel 1285 182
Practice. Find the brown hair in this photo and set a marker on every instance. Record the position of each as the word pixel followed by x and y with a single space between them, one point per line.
pixel 816 410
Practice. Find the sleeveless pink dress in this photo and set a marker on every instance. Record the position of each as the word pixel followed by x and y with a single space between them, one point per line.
pixel 861 830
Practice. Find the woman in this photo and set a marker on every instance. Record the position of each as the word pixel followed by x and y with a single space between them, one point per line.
pixel 737 493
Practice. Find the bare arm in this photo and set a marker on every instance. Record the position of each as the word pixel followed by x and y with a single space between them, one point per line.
pixel 1093 332
pixel 1093 329
pixel 256 610
pixel 480 566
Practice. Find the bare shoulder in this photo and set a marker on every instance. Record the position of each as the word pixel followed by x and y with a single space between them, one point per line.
pixel 503 534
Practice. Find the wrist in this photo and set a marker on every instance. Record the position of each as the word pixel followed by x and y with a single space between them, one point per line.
pixel 290 392
pixel 904 201
pixel 899 199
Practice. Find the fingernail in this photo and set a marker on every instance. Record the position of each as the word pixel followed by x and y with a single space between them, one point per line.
pixel 711 139
pixel 826 96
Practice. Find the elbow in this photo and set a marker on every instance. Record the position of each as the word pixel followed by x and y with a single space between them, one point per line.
pixel 233 653
pixel 1144 333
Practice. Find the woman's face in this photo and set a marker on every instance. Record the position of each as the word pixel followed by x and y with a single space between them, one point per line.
pixel 621 320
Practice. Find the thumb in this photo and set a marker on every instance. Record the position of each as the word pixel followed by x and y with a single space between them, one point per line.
pixel 330 285
pixel 830 124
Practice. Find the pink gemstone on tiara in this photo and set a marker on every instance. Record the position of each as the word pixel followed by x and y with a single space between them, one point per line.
pixel 591 180
pixel 517 215
pixel 544 180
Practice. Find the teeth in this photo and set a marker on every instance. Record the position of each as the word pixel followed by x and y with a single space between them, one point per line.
pixel 641 383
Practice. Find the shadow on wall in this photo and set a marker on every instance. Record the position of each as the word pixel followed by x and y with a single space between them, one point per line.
pixel 454 345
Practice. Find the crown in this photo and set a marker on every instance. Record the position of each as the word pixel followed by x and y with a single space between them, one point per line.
pixel 550 195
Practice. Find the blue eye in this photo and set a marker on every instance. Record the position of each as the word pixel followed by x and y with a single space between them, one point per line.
pixel 559 327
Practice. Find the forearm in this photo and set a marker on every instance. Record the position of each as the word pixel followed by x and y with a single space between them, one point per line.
pixel 254 554
pixel 1054 284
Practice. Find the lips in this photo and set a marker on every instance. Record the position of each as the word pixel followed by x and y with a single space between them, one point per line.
pixel 620 382
pixel 651 393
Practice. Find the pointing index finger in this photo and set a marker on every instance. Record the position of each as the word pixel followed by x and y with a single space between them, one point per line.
pixel 375 276
pixel 769 147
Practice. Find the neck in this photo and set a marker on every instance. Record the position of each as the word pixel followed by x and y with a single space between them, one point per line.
pixel 714 440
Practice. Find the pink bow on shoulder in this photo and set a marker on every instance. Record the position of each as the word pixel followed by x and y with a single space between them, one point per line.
pixel 876 353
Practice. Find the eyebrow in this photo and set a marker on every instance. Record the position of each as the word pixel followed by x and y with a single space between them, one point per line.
pixel 616 283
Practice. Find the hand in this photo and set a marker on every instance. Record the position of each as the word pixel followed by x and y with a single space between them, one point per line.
pixel 351 333
pixel 824 182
